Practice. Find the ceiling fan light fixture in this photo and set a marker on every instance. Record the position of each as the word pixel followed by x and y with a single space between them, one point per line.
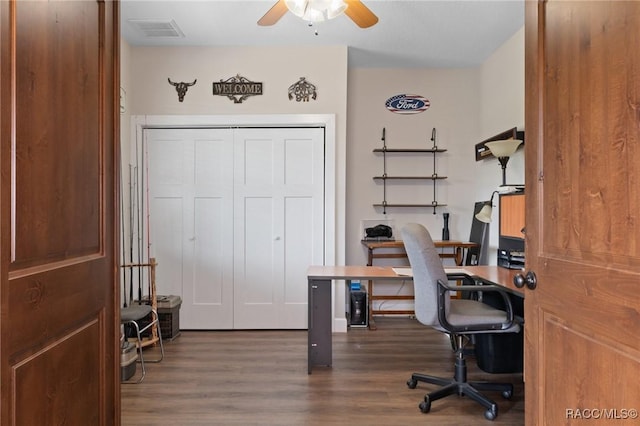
pixel 336 8
pixel 316 10
pixel 313 15
pixel 297 7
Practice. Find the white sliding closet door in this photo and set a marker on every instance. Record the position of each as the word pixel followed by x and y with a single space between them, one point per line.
pixel 236 217
pixel 190 180
pixel 278 226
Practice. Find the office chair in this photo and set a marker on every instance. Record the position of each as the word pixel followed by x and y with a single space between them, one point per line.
pixel 137 315
pixel 460 318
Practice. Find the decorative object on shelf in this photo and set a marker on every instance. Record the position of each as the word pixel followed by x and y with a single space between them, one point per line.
pixel 483 152
pixel 181 88
pixel 320 10
pixel 237 88
pixel 379 231
pixel 503 150
pixel 445 229
pixel 484 215
pixel 407 104
pixel 302 90
pixel 434 176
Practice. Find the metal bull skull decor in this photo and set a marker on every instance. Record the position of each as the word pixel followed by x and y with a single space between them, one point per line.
pixel 181 88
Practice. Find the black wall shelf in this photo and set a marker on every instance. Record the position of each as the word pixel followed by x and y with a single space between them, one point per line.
pixel 384 177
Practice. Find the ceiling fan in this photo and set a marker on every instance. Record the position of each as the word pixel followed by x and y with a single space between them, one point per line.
pixel 355 9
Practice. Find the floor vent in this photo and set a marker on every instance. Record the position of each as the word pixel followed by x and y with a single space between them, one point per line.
pixel 156 28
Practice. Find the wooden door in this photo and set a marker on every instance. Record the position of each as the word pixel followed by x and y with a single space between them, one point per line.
pixel 582 122
pixel 59 359
pixel 278 225
pixel 191 221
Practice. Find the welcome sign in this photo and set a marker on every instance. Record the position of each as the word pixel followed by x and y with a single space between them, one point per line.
pixel 237 88
pixel 407 104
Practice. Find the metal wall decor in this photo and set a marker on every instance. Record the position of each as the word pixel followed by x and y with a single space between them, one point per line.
pixel 182 88
pixel 407 104
pixel 237 88
pixel 302 90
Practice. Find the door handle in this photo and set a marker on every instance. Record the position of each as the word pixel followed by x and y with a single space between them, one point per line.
pixel 530 280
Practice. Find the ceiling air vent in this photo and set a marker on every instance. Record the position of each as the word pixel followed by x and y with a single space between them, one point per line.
pixel 156 28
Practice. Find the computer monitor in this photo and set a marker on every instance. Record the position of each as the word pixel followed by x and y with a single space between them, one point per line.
pixel 512 221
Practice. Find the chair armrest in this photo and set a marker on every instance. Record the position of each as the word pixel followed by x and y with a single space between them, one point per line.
pixel 460 276
pixel 443 291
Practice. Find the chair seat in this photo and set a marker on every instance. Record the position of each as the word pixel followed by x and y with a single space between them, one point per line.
pixel 472 312
pixel 134 312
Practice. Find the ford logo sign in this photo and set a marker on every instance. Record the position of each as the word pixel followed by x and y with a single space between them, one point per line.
pixel 407 104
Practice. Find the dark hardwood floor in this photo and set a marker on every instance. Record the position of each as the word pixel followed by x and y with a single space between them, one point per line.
pixel 260 378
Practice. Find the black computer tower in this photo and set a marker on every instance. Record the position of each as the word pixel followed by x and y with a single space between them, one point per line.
pixel 359 309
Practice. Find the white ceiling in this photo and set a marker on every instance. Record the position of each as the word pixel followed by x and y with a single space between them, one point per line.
pixel 416 33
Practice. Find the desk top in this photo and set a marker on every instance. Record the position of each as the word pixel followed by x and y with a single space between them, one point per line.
pixel 371 244
pixel 355 272
pixel 490 274
pixel 497 275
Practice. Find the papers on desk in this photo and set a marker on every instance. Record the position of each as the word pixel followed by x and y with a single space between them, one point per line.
pixel 407 272
pixel 456 271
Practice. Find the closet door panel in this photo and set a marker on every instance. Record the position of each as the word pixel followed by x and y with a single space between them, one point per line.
pixel 192 242
pixel 278 237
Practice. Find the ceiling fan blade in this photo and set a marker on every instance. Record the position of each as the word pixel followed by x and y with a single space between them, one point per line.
pixel 360 14
pixel 274 14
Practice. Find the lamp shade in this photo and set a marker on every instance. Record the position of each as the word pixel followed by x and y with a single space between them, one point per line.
pixel 484 215
pixel 503 148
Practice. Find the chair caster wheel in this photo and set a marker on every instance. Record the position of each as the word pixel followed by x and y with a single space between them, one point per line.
pixel 507 394
pixel 412 383
pixel 425 406
pixel 491 413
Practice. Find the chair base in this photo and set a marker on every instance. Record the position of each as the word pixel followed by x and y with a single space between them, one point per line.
pixel 458 385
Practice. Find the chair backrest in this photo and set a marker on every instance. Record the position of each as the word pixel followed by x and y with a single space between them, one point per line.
pixel 427 269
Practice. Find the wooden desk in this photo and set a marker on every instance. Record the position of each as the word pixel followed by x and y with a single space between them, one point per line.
pixel 450 250
pixel 496 275
pixel 457 252
pixel 319 279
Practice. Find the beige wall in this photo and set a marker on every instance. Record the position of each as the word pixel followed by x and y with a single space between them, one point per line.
pixel 277 68
pixel 454 96
pixel 467 106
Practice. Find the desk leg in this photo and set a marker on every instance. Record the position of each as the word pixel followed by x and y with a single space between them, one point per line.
pixel 319 323
pixel 370 321
pixel 459 256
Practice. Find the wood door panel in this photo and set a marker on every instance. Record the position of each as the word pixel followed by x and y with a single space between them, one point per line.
pixel 57 179
pixel 591 99
pixel 56 300
pixel 583 199
pixel 577 393
pixel 66 364
pixel 59 333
